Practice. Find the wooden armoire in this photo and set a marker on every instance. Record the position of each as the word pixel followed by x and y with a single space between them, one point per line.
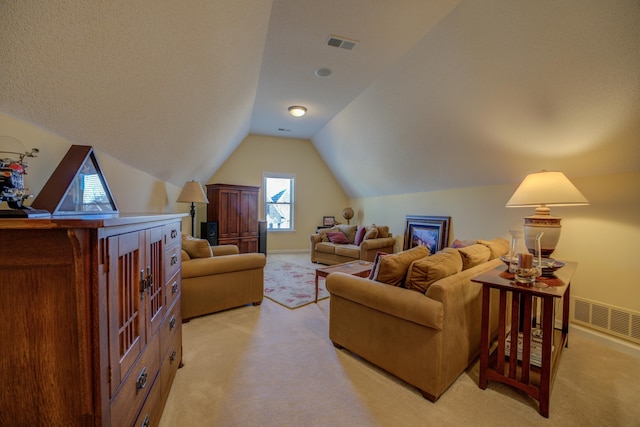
pixel 235 209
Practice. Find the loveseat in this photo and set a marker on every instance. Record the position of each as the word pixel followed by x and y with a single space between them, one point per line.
pixel 344 243
pixel 424 327
pixel 216 278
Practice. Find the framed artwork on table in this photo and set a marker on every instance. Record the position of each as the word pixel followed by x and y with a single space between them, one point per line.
pixel 328 221
pixel 430 231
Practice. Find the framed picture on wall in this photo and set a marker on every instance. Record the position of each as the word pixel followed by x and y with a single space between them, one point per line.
pixel 429 231
pixel 328 221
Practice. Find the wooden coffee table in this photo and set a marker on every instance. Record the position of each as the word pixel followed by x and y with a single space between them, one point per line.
pixel 355 268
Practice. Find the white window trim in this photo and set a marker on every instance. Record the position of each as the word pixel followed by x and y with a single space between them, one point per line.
pixel 291 177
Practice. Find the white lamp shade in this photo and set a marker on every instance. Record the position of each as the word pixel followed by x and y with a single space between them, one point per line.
pixel 192 193
pixel 546 188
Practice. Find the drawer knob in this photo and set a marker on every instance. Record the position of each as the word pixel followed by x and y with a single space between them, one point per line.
pixel 174 259
pixel 174 234
pixel 172 358
pixel 146 422
pixel 142 380
pixel 172 322
pixel 174 287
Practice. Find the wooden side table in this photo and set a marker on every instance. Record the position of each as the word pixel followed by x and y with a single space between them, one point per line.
pixel 515 367
pixel 355 268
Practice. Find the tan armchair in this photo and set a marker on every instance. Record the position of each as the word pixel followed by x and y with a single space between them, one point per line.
pixel 224 280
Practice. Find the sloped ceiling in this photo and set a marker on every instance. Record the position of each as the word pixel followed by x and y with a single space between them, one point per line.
pixel 435 94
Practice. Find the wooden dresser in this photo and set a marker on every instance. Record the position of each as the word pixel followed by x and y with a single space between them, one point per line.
pixel 91 325
pixel 235 209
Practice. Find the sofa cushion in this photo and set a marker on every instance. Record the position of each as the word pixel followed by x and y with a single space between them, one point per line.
pixel 372 233
pixel 457 243
pixel 360 235
pixel 383 230
pixel 393 267
pixel 349 250
pixel 326 247
pixel 426 271
pixel 337 237
pixel 474 255
pixel 498 246
pixel 196 248
pixel 375 268
pixel 349 231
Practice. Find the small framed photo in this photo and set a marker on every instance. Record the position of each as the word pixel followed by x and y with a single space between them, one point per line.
pixel 429 231
pixel 328 221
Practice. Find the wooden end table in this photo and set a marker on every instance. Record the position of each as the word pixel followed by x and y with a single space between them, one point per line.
pixel 355 268
pixel 516 368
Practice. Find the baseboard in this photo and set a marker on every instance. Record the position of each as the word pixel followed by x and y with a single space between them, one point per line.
pixel 289 251
pixel 608 340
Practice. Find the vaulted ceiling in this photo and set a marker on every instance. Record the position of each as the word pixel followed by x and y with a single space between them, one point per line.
pixel 433 95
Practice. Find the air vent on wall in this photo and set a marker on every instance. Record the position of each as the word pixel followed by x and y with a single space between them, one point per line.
pixel 341 42
pixel 616 321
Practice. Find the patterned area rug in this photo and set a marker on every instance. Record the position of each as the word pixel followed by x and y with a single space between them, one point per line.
pixel 291 285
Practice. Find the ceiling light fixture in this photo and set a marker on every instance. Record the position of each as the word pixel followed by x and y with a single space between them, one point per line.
pixel 323 72
pixel 297 111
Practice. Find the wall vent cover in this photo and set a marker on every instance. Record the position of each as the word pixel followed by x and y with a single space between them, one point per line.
pixel 341 42
pixel 616 321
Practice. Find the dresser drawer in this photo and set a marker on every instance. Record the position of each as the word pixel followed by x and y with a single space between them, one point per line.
pixel 172 234
pixel 152 409
pixel 171 363
pixel 170 327
pixel 172 289
pixel 173 261
pixel 136 385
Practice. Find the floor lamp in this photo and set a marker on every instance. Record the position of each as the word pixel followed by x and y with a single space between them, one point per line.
pixel 192 193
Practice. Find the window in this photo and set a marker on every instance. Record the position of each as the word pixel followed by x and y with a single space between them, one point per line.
pixel 278 201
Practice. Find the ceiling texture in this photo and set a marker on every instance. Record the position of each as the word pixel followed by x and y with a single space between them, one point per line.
pixel 432 95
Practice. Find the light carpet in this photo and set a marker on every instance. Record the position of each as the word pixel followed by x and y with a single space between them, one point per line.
pixel 291 285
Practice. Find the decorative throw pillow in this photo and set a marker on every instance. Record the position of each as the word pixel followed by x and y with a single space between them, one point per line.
pixel 372 233
pixel 426 271
pixel 360 235
pixel 393 268
pixel 324 231
pixel 375 268
pixel 474 255
pixel 196 248
pixel 383 230
pixel 498 246
pixel 337 237
pixel 349 231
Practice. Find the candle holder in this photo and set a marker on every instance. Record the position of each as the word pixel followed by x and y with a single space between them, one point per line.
pixel 521 263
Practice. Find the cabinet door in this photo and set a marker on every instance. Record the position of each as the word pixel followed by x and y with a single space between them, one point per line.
pixel 249 213
pixel 154 253
pixel 229 214
pixel 127 313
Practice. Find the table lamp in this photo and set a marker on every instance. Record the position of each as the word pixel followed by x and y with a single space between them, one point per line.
pixel 541 190
pixel 192 193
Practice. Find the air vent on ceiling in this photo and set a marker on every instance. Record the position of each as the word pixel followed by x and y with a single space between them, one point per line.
pixel 341 42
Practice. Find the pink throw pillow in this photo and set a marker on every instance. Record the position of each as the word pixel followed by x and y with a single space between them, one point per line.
pixel 337 237
pixel 360 235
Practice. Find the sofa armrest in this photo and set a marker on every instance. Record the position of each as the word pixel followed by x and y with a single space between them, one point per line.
pixel 315 238
pixel 222 264
pixel 399 302
pixel 222 250
pixel 373 244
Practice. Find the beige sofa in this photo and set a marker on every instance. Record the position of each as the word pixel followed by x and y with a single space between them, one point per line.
pixel 426 338
pixel 216 278
pixel 374 239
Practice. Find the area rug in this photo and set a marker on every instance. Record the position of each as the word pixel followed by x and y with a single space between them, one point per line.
pixel 291 285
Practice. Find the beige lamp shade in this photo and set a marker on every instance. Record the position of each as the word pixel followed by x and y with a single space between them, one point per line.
pixel 544 189
pixel 192 192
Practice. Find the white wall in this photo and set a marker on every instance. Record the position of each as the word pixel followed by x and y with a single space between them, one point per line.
pixel 601 237
pixel 133 190
pixel 317 192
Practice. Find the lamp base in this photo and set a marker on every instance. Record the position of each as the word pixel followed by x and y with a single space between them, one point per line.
pixel 547 224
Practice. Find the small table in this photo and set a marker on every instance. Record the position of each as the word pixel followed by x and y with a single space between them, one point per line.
pixel 355 268
pixel 516 368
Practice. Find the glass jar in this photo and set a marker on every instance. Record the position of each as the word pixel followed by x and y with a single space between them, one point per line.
pixel 521 262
